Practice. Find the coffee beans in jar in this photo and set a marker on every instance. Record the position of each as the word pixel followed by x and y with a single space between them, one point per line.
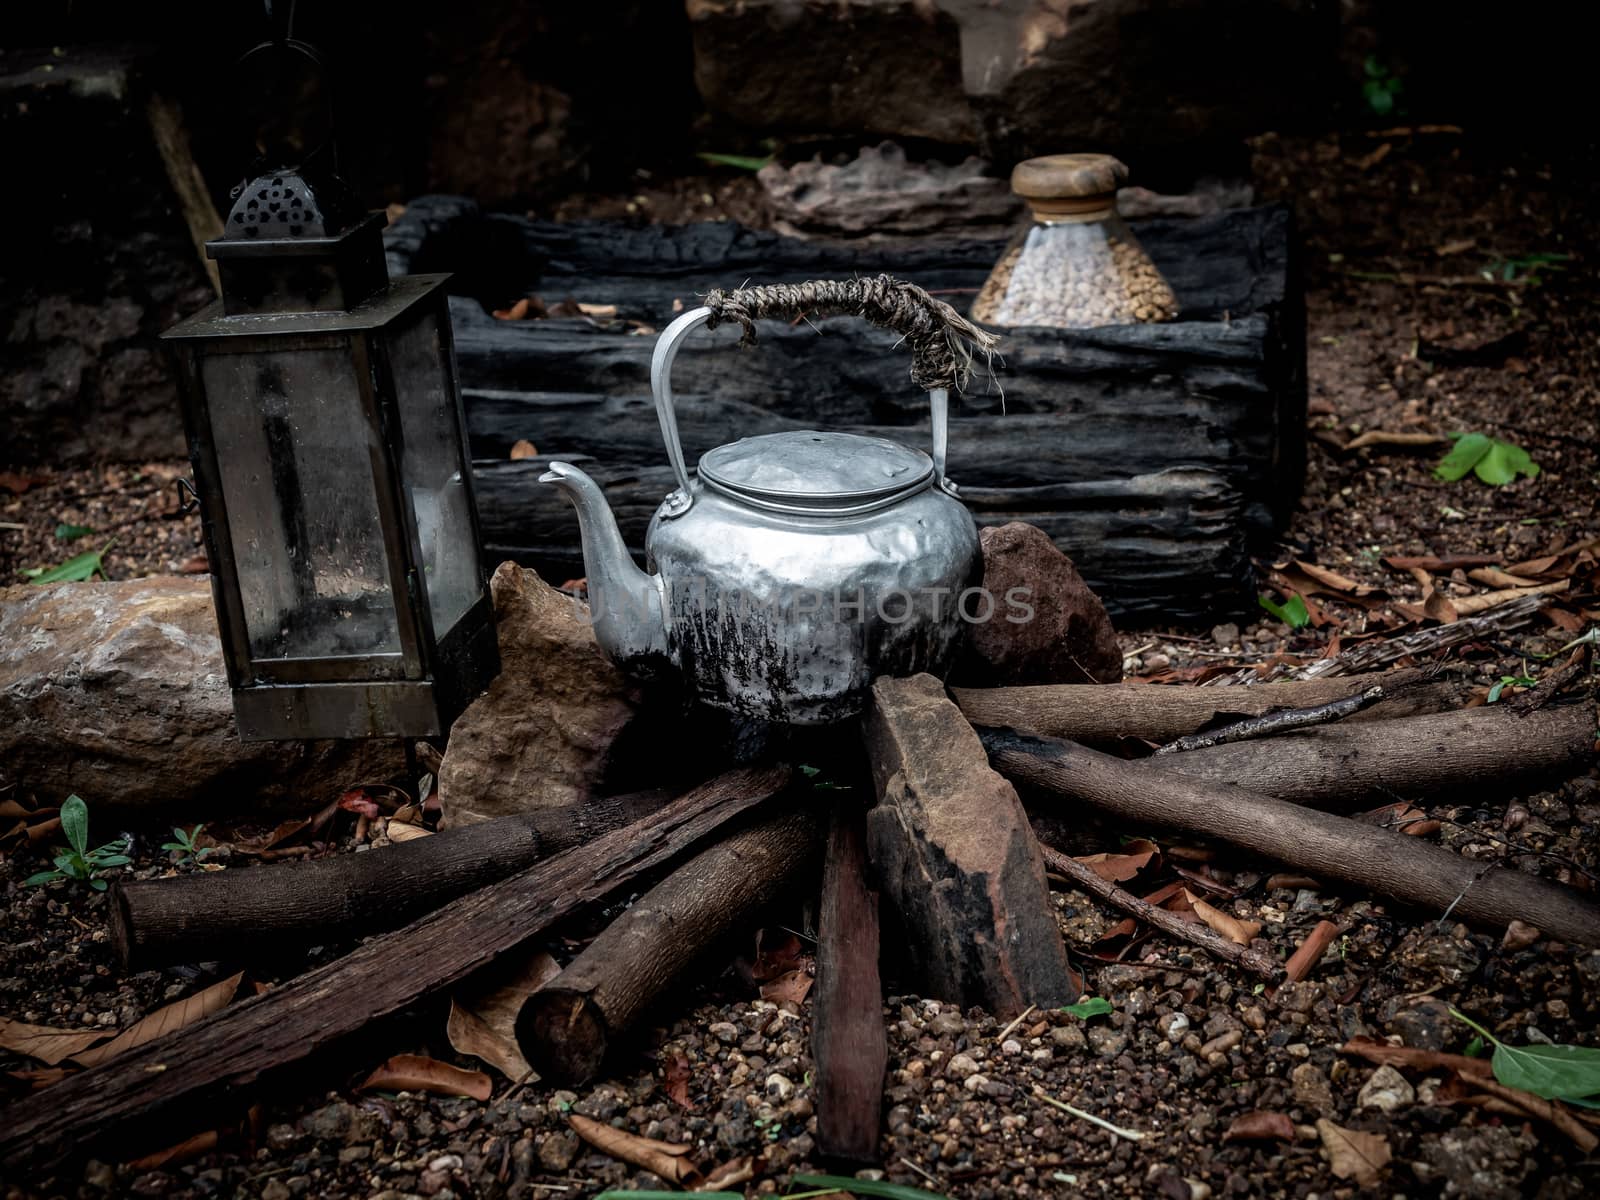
pixel 1076 264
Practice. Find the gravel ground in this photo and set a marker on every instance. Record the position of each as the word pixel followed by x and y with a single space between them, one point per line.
pixel 1397 342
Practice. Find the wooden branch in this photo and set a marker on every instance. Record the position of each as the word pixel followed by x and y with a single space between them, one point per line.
pixel 848 1041
pixel 956 856
pixel 152 1087
pixel 1373 762
pixel 1330 847
pixel 1107 713
pixel 567 1027
pixel 246 913
pixel 1423 642
pixel 1168 922
pixel 1280 721
pixel 171 137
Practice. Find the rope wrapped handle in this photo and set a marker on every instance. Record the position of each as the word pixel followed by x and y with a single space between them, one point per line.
pixel 942 340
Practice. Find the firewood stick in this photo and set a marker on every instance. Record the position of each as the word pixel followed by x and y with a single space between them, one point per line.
pixel 1109 712
pixel 1281 721
pixel 1168 922
pixel 567 1027
pixel 1330 847
pixel 848 1041
pixel 1359 764
pixel 152 1087
pixel 243 914
pixel 1310 951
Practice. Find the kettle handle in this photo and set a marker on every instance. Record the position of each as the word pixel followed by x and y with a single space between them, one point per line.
pixel 667 346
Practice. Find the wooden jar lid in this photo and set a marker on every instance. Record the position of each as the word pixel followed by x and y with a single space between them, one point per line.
pixel 1057 186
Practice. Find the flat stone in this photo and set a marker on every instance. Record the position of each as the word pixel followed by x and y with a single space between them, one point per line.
pixel 541 735
pixel 1046 625
pixel 117 692
pixel 1311 1088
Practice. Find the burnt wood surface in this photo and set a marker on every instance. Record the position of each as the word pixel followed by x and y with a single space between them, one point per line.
pixel 954 854
pixel 139 1097
pixel 566 1028
pixel 1221 390
pixel 848 1041
pixel 245 915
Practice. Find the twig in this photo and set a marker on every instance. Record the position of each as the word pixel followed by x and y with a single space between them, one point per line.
pixel 1310 951
pixel 906 1162
pixel 1133 1135
pixel 1551 686
pixel 1547 1110
pixel 1277 722
pixel 1168 922
pixel 1022 1016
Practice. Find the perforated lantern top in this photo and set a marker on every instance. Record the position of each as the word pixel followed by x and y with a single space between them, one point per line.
pixel 1070 187
pixel 280 206
pixel 815 470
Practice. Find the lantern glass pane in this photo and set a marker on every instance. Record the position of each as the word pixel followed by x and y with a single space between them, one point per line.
pixel 295 456
pixel 430 469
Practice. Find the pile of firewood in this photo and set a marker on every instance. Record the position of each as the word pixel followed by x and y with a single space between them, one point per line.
pixel 944 839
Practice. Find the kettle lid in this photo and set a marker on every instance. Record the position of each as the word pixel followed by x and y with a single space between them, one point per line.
pixel 816 470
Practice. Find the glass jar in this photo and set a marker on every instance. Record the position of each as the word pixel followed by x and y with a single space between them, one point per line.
pixel 1076 264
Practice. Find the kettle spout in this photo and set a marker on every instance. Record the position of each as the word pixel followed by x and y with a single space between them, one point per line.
pixel 627 605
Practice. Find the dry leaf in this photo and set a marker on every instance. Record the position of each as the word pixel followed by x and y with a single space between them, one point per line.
pixel 1496 578
pixel 484 1008
pixel 777 953
pixel 405 831
pixel 47 1045
pixel 791 985
pixel 604 312
pixel 1332 580
pixel 1519 936
pixel 675 1081
pixel 1260 1127
pixel 1387 1054
pixel 414 1073
pixel 732 1174
pixel 665 1159
pixel 1237 931
pixel 1468 605
pixel 360 803
pixel 165 1020
pixel 524 449
pixel 189 1148
pixel 267 841
pixel 1382 437
pixel 17 483
pixel 1353 1154
pixel 1118 868
pixel 516 312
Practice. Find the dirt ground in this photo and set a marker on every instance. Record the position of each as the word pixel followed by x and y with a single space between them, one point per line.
pixel 1450 289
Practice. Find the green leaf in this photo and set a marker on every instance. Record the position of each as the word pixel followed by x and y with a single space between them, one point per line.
pixel 743 162
pixel 630 1194
pixel 1503 463
pixel 1494 692
pixel 1292 613
pixel 1091 1006
pixel 112 860
pixel 865 1187
pixel 75 570
pixel 1463 456
pixel 42 877
pixel 71 533
pixel 75 823
pixel 1569 1073
pixel 99 885
pixel 1474 1048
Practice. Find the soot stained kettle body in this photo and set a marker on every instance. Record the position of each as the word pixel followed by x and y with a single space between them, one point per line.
pixel 794 567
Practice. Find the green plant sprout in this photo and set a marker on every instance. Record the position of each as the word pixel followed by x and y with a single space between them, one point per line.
pixel 1491 460
pixel 78 861
pixel 1570 1074
pixel 183 846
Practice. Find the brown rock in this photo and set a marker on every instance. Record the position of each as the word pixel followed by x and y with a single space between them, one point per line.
pixel 116 691
pixel 956 857
pixel 1068 638
pixel 540 736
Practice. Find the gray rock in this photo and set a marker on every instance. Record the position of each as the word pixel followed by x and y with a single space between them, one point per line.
pixel 1311 1088
pixel 558 1150
pixel 1106 1041
pixel 1387 1091
pixel 117 692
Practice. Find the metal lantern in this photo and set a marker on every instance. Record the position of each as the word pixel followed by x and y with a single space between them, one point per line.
pixel 329 452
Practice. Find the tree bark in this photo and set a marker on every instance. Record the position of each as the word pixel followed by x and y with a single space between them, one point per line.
pixel 957 858
pixel 848 1041
pixel 139 1092
pixel 1107 713
pixel 566 1028
pixel 1357 764
pixel 244 914
pixel 1330 847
